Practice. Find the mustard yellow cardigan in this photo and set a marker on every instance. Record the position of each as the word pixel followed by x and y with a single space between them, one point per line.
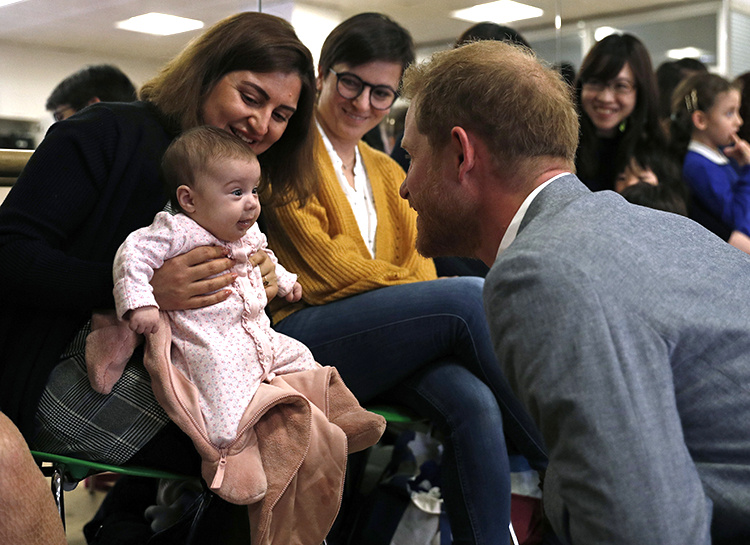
pixel 322 243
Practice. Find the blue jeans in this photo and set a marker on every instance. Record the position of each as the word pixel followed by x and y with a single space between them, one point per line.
pixel 426 345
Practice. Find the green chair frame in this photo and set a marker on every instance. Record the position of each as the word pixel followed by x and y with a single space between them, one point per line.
pixel 66 472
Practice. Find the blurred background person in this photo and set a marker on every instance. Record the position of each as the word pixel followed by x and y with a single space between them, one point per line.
pixel 715 160
pixel 617 98
pixel 743 84
pixel 668 77
pixel 491 31
pixel 96 83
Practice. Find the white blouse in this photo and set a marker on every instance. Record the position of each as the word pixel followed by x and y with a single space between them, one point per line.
pixel 360 196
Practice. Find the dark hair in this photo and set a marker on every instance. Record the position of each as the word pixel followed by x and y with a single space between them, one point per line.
pixel 103 81
pixel 193 151
pixel 666 170
pixel 698 92
pixel 257 42
pixel 364 38
pixel 659 197
pixel 665 167
pixel 743 82
pixel 669 75
pixel 568 72
pixel 491 31
pixel 603 62
pixel 688 65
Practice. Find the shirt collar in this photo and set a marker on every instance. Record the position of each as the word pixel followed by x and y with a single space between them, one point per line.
pixel 709 153
pixel 515 223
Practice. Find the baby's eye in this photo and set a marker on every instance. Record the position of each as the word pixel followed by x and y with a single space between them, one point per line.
pixel 237 193
pixel 255 191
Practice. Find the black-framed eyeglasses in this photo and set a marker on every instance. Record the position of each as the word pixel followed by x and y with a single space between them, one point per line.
pixel 350 86
pixel 622 87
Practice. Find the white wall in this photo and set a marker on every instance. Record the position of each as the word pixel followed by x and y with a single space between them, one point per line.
pixel 28 75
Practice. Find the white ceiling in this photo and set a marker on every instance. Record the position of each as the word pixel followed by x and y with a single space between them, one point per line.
pixel 88 25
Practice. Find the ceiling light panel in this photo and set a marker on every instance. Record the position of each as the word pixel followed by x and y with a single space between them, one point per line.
pixel 501 11
pixel 159 24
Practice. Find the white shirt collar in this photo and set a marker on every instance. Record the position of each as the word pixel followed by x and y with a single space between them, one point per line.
pixel 709 153
pixel 515 223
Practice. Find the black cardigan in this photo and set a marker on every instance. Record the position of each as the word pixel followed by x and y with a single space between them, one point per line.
pixel 93 180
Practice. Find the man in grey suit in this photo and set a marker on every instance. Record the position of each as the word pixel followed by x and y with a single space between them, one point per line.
pixel 625 331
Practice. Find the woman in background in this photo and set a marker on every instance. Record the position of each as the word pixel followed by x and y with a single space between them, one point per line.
pixel 616 93
pixel 373 307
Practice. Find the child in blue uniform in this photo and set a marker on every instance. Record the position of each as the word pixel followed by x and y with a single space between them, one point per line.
pixel 716 166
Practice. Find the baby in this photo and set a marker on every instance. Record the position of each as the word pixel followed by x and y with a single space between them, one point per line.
pixel 226 350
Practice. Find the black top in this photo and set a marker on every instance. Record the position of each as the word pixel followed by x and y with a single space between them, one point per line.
pixel 604 172
pixel 93 180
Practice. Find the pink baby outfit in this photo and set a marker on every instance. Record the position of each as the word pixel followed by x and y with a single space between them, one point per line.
pixel 287 458
pixel 226 349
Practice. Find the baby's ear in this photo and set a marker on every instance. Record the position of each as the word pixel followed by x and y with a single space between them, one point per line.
pixel 185 198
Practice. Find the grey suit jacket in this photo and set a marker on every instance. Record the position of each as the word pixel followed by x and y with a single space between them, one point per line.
pixel 626 333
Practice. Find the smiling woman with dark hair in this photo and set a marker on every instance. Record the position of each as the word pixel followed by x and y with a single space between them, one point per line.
pixel 93 180
pixel 372 306
pixel 617 96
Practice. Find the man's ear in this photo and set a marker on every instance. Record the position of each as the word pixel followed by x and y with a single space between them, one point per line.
pixel 93 100
pixel 185 198
pixel 464 150
pixel 700 120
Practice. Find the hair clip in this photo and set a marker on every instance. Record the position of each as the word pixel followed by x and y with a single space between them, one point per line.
pixel 691 101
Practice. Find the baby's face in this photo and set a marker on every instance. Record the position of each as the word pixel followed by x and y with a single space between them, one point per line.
pixel 226 198
pixel 634 174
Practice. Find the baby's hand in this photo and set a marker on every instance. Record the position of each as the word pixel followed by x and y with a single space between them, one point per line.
pixel 144 320
pixel 296 293
pixel 739 151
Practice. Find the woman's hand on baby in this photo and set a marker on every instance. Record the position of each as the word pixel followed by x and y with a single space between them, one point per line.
pixel 188 280
pixel 267 272
pixel 144 320
pixel 739 151
pixel 296 293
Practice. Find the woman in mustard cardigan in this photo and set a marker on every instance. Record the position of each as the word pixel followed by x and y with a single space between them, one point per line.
pixel 373 307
